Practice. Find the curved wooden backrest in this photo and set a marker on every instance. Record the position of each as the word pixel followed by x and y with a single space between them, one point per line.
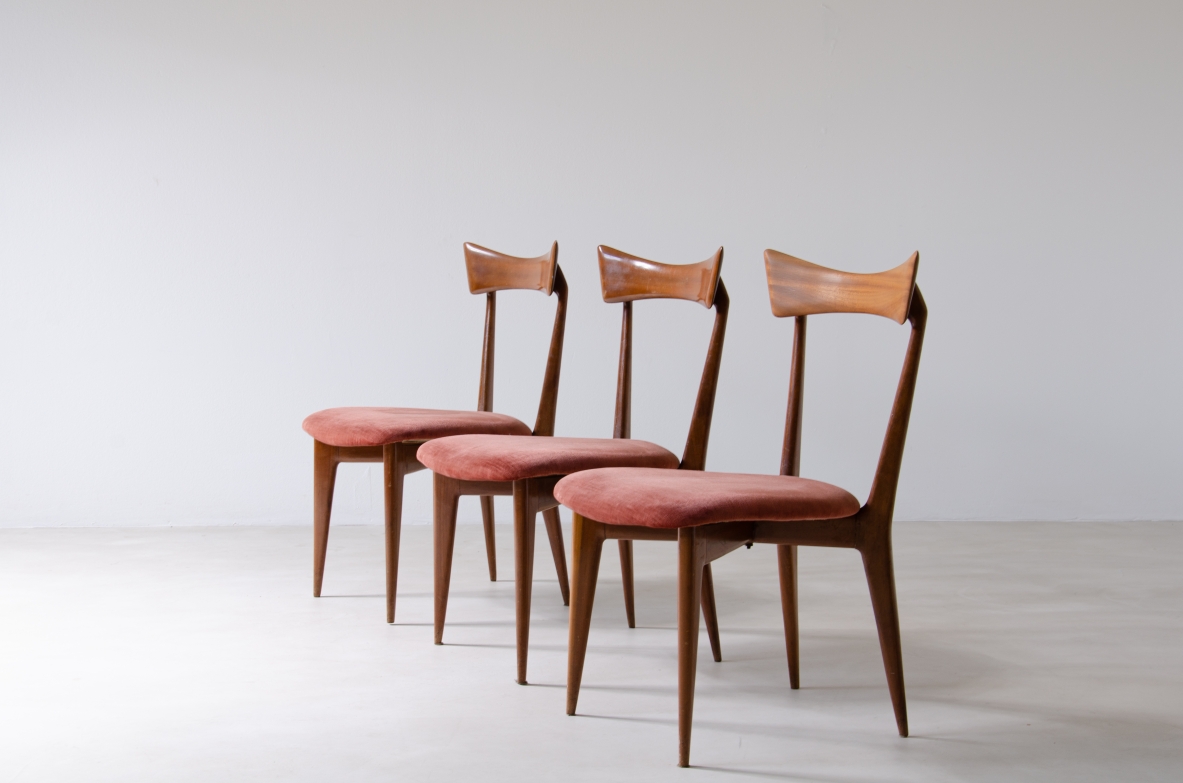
pixel 626 278
pixel 798 287
pixel 490 271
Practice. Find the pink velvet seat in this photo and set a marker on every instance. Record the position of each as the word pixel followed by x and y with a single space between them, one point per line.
pixel 507 458
pixel 682 498
pixel 380 426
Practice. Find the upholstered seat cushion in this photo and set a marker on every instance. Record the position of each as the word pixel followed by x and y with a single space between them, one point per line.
pixel 379 426
pixel 503 458
pixel 685 498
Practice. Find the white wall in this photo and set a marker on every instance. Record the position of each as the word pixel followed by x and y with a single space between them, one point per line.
pixel 219 218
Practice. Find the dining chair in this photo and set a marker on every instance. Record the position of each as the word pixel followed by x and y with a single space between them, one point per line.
pixel 393 436
pixel 529 468
pixel 712 514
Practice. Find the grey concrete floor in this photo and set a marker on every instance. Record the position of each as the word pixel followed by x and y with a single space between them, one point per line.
pixel 1039 652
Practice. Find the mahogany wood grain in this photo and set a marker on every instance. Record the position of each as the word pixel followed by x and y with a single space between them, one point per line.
pixel 488 345
pixel 622 422
pixel 694 456
pixel 446 503
pixel 622 428
pixel 709 612
pixel 489 524
pixel 626 278
pixel 690 566
pixel 790 465
pixel 554 532
pixel 490 271
pixel 798 287
pixel 625 548
pixel 324 478
pixel 786 562
pixel 548 402
pixel 587 543
pixel 524 527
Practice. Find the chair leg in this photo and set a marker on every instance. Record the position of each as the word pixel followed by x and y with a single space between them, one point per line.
pixel 447 501
pixel 554 531
pixel 709 614
pixel 587 544
pixel 690 570
pixel 786 560
pixel 626 577
pixel 490 535
pixel 877 562
pixel 324 477
pixel 394 471
pixel 524 520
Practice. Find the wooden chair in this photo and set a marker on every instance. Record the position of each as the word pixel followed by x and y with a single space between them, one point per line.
pixel 393 436
pixel 712 514
pixel 529 468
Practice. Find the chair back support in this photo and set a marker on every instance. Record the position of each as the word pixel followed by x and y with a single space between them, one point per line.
pixel 490 272
pixel 799 289
pixel 626 278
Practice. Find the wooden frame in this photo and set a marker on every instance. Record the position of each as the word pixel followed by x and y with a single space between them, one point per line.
pixel 624 279
pixel 488 273
pixel 797 289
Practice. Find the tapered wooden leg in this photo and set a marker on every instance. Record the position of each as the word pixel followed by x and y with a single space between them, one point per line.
pixel 786 560
pixel 447 501
pixel 490 535
pixel 690 568
pixel 554 531
pixel 524 520
pixel 709 614
pixel 626 577
pixel 877 561
pixel 324 477
pixel 394 472
pixel 587 544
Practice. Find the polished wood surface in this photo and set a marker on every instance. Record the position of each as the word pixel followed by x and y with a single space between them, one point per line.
pixel 644 280
pixel 798 287
pixel 868 531
pixel 548 402
pixel 626 278
pixel 490 271
pixel 694 456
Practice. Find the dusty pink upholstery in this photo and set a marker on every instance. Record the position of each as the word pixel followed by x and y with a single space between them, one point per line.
pixel 379 426
pixel 684 498
pixel 503 458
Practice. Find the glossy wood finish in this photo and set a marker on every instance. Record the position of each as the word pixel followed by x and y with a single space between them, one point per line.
pixel 798 287
pixel 643 280
pixel 488 272
pixel 694 456
pixel 868 531
pixel 626 278
pixel 622 428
